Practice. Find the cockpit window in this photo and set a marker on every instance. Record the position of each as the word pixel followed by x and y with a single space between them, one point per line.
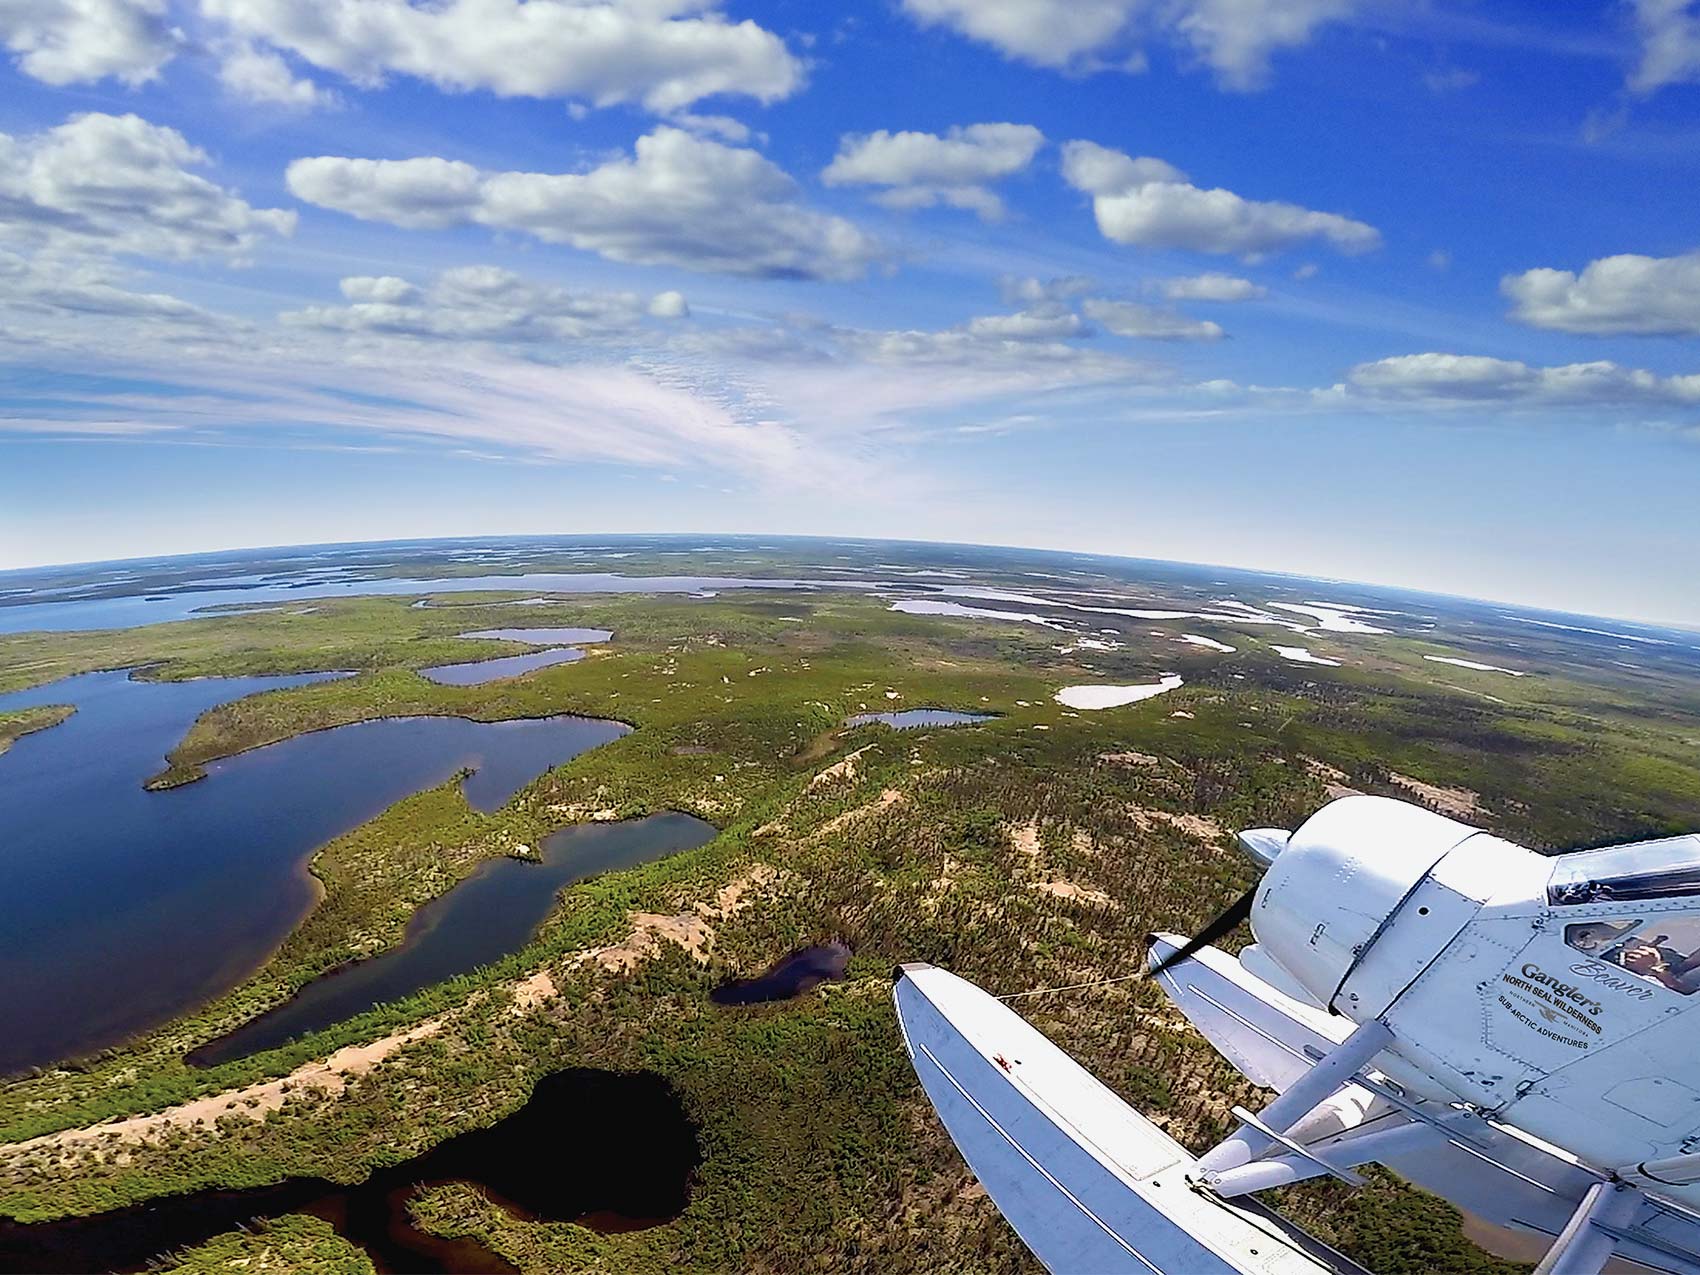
pixel 1643 870
pixel 1662 949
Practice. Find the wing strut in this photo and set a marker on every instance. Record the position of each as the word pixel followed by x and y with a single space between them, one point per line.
pixel 1588 1239
pixel 1330 1074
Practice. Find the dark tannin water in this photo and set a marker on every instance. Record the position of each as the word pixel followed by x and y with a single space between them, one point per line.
pixel 491 914
pixel 912 718
pixel 801 971
pixel 613 1151
pixel 121 908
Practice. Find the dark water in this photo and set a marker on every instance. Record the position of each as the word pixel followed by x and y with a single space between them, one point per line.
pixel 912 718
pixel 542 637
pixel 477 672
pixel 802 971
pixel 612 1151
pixel 491 914
pixel 121 908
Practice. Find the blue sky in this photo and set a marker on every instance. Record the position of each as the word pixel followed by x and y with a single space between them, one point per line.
pixel 1400 292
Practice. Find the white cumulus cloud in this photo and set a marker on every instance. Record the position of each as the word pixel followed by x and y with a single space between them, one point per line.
pixel 664 54
pixel 474 303
pixel 1043 323
pixel 1622 294
pixel 81 41
pixel 919 170
pixel 1472 378
pixel 1670 44
pixel 261 75
pixel 1129 318
pixel 1211 287
pixel 681 200
pixel 669 305
pixel 1234 38
pixel 1151 203
pixel 109 184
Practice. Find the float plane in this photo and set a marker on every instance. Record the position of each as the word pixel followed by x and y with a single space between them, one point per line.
pixel 1516 1032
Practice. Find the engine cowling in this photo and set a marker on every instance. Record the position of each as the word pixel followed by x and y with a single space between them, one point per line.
pixel 1326 908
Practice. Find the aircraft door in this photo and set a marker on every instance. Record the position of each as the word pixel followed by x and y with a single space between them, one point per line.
pixel 1589 977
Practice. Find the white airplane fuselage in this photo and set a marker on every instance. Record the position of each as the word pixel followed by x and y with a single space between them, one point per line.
pixel 1497 995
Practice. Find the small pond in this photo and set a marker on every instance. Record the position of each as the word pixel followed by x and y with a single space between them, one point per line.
pixel 535 1164
pixel 914 718
pixel 801 971
pixel 491 914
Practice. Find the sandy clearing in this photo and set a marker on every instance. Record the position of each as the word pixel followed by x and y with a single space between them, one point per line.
pixel 1025 838
pixel 253 1102
pixel 1460 803
pixel 1130 759
pixel 1076 893
pixel 531 992
pixel 843 769
pixel 1096 697
pixel 692 930
pixel 1200 826
pixel 1335 782
pixel 885 801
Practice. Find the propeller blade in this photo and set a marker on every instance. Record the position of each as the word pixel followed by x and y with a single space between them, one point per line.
pixel 1221 927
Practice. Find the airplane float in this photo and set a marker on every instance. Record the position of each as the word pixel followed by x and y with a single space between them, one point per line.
pixel 1516 1032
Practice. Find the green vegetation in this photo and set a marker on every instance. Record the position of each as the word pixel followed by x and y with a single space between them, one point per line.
pixel 18 722
pixel 295 1243
pixel 819 1151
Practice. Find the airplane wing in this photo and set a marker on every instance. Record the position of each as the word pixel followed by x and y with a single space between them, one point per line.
pixel 1088 1183
pixel 1496 1173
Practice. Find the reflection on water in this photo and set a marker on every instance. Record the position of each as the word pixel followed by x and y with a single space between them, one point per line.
pixel 612 1151
pixel 801 971
pixel 121 908
pixel 913 718
pixel 491 914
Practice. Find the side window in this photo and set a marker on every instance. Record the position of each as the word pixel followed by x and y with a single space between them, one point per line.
pixel 1663 949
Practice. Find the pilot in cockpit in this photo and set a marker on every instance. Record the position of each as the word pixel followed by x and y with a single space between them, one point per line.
pixel 1649 962
pixel 1654 957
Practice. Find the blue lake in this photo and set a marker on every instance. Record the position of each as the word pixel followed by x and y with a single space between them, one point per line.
pixel 491 914
pixel 478 672
pixel 542 637
pixel 122 908
pixel 17 616
pixel 913 718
